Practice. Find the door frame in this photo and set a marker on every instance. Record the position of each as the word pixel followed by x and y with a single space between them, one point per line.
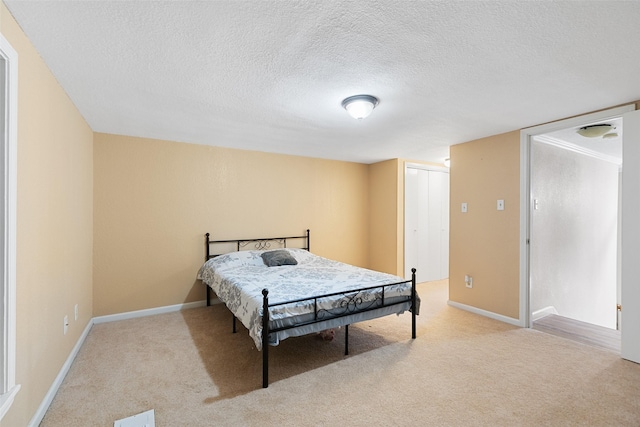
pixel 526 197
pixel 8 218
pixel 630 233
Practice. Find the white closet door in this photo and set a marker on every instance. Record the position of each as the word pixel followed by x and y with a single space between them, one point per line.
pixel 444 227
pixel 426 224
pixel 424 250
pixel 411 219
pixel 431 256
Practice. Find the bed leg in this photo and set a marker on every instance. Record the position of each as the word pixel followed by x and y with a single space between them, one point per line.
pixel 413 303
pixel 208 295
pixel 234 325
pixel 265 338
pixel 346 340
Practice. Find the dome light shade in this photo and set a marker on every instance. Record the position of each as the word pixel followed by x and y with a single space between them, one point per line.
pixel 594 131
pixel 360 106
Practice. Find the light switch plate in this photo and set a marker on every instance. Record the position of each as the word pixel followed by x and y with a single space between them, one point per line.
pixel 500 205
pixel 464 207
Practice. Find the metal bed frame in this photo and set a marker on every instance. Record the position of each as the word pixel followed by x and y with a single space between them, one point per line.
pixel 354 302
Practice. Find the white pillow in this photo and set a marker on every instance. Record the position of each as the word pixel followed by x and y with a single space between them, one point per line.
pixel 236 259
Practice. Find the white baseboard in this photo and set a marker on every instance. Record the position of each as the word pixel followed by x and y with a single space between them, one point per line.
pixel 500 317
pixel 44 406
pixel 48 398
pixel 147 312
pixel 539 314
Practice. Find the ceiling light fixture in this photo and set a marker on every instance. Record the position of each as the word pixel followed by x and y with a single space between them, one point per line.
pixel 594 131
pixel 360 106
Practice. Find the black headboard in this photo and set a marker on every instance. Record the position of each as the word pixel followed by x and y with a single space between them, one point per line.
pixel 253 244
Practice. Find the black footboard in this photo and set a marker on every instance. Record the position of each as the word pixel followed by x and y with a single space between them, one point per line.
pixel 320 315
pixel 265 338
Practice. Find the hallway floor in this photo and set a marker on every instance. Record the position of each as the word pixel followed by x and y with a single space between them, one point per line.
pixel 575 330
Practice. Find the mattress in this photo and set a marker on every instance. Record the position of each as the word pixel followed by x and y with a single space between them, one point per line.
pixel 238 279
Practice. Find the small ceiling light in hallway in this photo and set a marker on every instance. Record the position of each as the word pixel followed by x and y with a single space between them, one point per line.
pixel 594 131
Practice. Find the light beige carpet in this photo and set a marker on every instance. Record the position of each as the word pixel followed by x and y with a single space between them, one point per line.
pixel 462 370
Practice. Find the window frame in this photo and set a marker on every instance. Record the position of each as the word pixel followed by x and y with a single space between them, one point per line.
pixel 8 386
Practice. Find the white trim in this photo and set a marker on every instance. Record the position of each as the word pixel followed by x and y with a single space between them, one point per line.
pixel 490 314
pixel 630 242
pixel 539 314
pixel 148 312
pixel 8 387
pixel 612 113
pixel 525 192
pixel 6 400
pixel 546 139
pixel 48 398
pixel 425 167
pixel 525 202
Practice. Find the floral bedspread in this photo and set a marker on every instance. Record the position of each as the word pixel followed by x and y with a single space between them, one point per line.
pixel 238 279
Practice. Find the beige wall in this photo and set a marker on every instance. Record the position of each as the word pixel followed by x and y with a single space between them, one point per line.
pixel 386 230
pixel 54 225
pixel 386 224
pixel 484 242
pixel 154 200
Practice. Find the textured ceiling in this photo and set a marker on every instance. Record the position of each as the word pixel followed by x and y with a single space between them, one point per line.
pixel 270 75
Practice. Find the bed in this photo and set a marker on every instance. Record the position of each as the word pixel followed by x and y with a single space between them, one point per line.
pixel 278 289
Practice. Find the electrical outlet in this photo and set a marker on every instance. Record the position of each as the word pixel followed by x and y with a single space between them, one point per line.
pixel 468 281
pixel 66 324
pixel 75 312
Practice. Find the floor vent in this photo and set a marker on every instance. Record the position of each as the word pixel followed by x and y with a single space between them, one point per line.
pixel 145 419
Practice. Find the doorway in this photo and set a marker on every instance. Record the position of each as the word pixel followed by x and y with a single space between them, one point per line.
pixel 574 240
pixel 571 253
